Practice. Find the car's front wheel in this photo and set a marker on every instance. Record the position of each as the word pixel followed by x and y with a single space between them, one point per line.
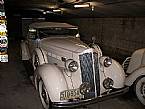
pixel 140 89
pixel 44 95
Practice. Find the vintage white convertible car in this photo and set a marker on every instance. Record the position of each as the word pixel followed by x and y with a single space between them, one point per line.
pixel 69 73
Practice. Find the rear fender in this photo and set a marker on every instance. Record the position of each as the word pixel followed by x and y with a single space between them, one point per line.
pixel 134 75
pixel 53 79
pixel 137 60
pixel 24 51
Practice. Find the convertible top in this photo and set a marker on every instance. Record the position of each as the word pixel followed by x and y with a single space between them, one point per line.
pixel 51 25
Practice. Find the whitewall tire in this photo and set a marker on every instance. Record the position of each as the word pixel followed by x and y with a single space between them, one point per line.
pixel 140 89
pixel 43 95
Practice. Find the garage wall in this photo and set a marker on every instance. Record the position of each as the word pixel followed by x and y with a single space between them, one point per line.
pixel 116 36
pixel 14 27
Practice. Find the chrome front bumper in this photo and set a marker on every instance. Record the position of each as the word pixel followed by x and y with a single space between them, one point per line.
pixel 89 101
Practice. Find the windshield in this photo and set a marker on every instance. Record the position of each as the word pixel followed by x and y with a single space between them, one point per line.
pixel 46 32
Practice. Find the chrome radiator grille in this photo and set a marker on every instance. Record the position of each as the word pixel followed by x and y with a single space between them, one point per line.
pixel 97 76
pixel 90 72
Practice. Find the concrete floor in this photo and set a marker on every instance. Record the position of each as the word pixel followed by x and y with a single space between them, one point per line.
pixel 17 92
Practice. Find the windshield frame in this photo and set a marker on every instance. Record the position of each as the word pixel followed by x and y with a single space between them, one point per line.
pixel 53 32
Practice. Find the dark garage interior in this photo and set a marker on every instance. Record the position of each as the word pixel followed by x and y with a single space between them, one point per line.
pixel 117 25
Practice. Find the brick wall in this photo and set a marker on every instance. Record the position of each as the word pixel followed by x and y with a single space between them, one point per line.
pixel 117 37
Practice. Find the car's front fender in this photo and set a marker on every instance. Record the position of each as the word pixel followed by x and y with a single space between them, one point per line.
pixel 53 79
pixel 134 75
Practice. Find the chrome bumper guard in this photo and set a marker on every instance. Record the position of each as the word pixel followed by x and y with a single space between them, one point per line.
pixel 78 103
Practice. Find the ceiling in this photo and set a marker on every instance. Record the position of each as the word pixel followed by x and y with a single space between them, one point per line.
pixel 65 8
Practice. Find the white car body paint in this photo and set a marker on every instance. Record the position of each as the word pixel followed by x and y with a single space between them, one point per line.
pixel 52 76
pixel 136 66
pixel 42 56
pixel 115 72
pixel 137 60
pixel 54 51
pixel 134 75
pixel 25 51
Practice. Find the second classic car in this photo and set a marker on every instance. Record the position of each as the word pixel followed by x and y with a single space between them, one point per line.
pixel 68 72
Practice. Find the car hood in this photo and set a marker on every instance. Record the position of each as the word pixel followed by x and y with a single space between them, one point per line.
pixel 69 44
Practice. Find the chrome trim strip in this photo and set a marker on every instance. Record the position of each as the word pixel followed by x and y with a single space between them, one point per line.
pixel 96 73
pixel 86 64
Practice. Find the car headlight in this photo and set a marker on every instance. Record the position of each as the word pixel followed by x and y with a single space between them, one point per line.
pixel 71 65
pixel 106 61
pixel 108 83
pixel 85 88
